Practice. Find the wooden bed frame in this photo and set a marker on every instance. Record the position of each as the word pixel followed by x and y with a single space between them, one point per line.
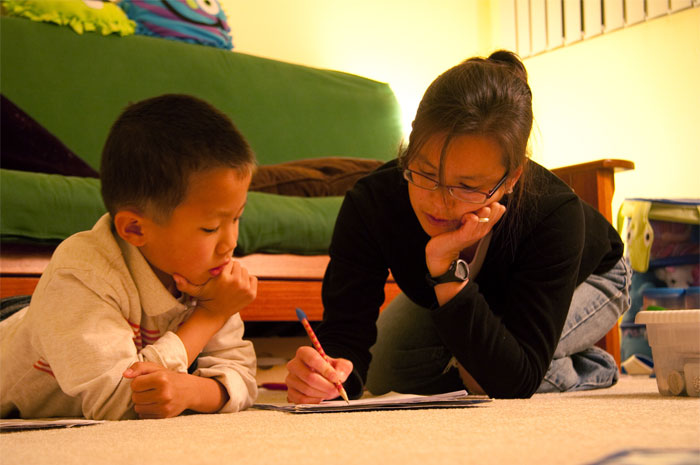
pixel 290 281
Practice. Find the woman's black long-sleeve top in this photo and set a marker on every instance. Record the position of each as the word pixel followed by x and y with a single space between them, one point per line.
pixel 504 325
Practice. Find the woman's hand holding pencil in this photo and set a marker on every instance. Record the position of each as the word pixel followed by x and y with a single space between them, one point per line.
pixel 313 376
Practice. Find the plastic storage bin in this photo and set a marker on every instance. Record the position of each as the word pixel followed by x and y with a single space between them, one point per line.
pixel 692 298
pixel 662 242
pixel 674 337
pixel 664 297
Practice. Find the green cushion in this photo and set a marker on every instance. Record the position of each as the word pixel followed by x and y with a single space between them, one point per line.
pixel 271 223
pixel 47 207
pixel 284 224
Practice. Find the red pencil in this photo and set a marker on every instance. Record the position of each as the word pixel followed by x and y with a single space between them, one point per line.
pixel 317 345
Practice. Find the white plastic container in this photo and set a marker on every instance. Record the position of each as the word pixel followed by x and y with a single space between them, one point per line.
pixel 674 337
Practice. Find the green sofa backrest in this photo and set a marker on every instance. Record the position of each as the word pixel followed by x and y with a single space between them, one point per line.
pixel 76 85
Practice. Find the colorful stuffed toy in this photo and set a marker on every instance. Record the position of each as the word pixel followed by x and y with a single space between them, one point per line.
pixel 682 276
pixel 195 21
pixel 640 234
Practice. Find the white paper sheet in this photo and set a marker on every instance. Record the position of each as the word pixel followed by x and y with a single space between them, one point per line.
pixel 390 401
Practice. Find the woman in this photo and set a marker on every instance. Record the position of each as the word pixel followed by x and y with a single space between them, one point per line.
pixel 508 279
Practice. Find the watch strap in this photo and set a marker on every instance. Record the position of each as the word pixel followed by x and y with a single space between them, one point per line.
pixel 457 272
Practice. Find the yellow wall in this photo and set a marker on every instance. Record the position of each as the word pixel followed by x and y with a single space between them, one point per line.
pixel 632 94
pixel 406 43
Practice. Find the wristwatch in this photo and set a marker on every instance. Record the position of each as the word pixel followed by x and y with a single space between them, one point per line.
pixel 457 272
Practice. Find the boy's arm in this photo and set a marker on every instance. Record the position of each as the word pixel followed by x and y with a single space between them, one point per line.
pixel 223 382
pixel 230 360
pixel 217 301
pixel 226 367
pixel 197 330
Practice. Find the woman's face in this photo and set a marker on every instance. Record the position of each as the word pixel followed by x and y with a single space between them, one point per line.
pixel 471 161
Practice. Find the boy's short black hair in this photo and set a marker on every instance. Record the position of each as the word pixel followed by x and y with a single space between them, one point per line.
pixel 155 145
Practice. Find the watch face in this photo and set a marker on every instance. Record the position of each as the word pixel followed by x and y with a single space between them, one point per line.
pixel 461 270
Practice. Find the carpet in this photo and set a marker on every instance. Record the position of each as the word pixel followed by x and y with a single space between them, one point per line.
pixel 578 428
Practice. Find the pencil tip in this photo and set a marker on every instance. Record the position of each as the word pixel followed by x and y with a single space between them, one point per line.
pixel 300 314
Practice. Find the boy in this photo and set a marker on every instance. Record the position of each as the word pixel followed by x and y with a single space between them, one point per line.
pixel 124 309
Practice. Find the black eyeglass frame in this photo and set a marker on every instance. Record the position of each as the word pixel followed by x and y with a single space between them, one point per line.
pixel 408 173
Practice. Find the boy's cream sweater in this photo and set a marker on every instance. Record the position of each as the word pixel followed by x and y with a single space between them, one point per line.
pixel 99 308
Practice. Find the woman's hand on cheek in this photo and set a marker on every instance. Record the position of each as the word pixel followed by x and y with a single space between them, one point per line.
pixel 492 212
pixel 444 248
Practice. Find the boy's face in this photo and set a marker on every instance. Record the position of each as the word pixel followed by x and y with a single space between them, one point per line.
pixel 199 237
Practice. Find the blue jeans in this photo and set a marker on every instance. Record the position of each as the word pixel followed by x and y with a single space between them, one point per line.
pixel 409 356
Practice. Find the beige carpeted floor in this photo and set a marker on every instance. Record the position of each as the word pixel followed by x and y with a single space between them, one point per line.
pixel 573 428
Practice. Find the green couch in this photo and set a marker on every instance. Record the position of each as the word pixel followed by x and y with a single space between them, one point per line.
pixel 76 85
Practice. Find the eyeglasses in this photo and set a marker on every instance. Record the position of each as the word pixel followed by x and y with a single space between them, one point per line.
pixel 464 194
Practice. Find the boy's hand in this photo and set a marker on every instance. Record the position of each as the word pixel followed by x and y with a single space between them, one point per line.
pixel 156 391
pixel 442 249
pixel 310 378
pixel 223 295
pixel 161 393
